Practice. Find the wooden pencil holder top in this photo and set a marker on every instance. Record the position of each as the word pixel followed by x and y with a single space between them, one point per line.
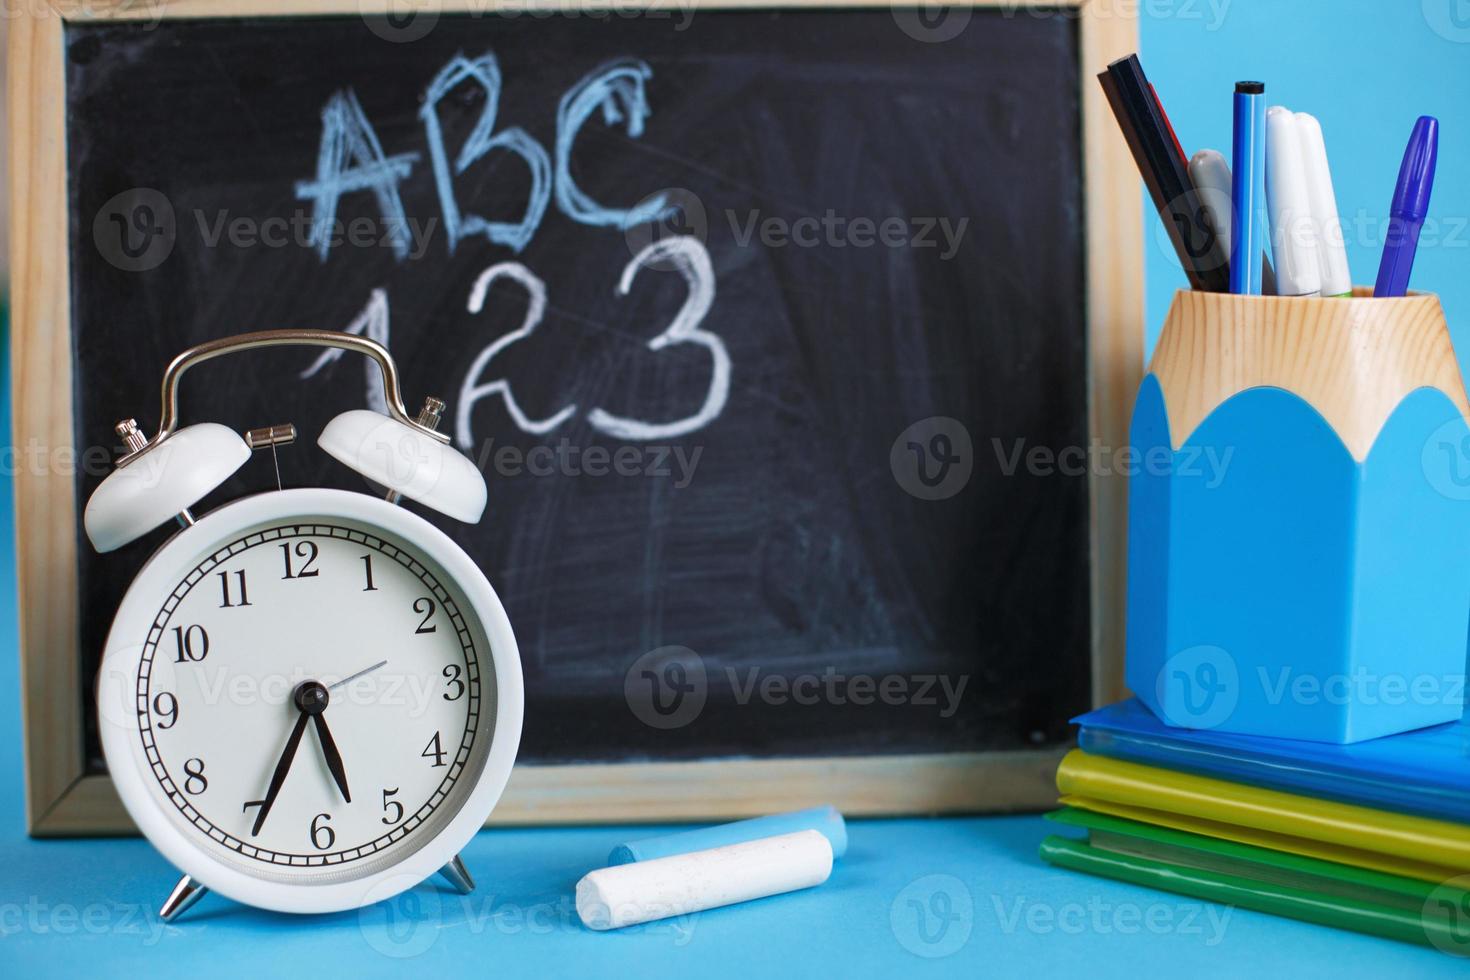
pixel 1299 518
pixel 1354 360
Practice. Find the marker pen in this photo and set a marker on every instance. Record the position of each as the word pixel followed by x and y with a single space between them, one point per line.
pixel 1210 175
pixel 1165 173
pixel 1248 190
pixel 1291 212
pixel 1409 208
pixel 1332 262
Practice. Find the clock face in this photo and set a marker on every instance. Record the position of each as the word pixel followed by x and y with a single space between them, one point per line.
pixel 315 699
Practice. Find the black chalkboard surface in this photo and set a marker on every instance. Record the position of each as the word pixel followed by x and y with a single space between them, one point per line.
pixel 788 442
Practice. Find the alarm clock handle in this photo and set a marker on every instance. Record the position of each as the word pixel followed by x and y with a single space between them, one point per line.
pixel 169 417
pixel 198 458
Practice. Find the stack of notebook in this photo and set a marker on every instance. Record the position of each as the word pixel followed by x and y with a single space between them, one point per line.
pixel 1373 836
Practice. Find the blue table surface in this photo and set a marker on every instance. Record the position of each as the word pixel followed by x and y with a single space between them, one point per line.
pixel 961 897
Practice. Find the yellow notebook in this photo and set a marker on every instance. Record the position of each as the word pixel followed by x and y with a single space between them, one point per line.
pixel 1276 842
pixel 1432 850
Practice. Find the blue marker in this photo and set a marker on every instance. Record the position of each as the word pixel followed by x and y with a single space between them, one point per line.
pixel 1410 206
pixel 1248 189
pixel 824 819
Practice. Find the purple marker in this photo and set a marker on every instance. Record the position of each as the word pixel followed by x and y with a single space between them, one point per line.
pixel 1410 206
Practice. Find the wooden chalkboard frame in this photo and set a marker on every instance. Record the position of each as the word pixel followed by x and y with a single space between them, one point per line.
pixel 64 799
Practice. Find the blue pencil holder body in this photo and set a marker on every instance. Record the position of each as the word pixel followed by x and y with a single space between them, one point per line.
pixel 1299 518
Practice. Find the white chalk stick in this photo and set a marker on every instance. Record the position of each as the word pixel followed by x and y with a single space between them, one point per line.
pixel 628 894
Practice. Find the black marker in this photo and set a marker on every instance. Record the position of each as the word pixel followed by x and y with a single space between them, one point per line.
pixel 1166 172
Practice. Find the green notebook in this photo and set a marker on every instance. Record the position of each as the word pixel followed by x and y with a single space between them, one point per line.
pixel 1267 881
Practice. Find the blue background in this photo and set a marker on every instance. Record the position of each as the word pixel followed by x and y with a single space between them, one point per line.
pixel 985 903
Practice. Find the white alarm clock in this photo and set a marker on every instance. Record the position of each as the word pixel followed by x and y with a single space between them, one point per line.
pixel 310 699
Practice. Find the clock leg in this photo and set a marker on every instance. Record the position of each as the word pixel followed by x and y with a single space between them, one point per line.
pixel 181 899
pixel 455 873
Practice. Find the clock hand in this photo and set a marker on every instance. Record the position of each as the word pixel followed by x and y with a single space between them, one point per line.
pixel 278 778
pixel 310 699
pixel 353 677
pixel 330 753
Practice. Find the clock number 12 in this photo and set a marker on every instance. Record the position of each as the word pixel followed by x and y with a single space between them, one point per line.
pixel 306 550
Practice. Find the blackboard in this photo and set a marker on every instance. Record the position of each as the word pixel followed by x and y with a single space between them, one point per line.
pixel 822 477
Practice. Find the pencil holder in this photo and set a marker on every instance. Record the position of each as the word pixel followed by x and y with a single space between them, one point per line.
pixel 1299 518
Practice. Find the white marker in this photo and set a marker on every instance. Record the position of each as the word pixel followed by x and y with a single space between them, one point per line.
pixel 1210 175
pixel 1293 243
pixel 628 894
pixel 1332 262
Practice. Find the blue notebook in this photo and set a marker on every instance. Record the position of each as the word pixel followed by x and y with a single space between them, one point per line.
pixel 1425 771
